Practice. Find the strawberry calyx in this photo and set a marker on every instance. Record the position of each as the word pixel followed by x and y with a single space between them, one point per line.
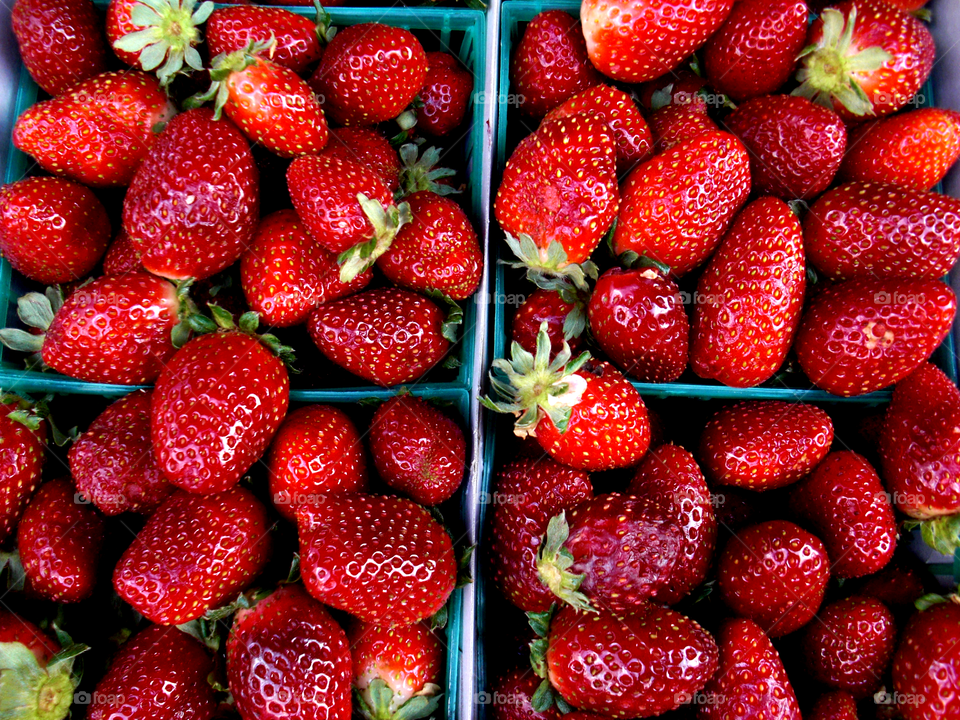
pixel 35 310
pixel 545 696
pixel 554 562
pixel 211 628
pixel 828 69
pixel 222 67
pixel 548 268
pixel 420 172
pixel 248 324
pixel 376 702
pixel 925 602
pixel 454 313
pixel 386 222
pixel 940 533
pixel 32 691
pixel 28 413
pixel 324 24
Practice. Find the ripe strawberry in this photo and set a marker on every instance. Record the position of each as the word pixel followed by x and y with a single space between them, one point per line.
pixel 317 450
pixel 863 229
pixel 23 437
pixel 307 653
pixel 192 206
pixel 865 57
pixel 675 124
pixel 61 43
pixel 369 73
pixel 297 38
pixel 865 334
pixel 112 463
pixel 121 257
pixel 445 95
pixel 549 64
pixel 638 320
pixel 15 629
pixel 755 50
pixel 388 336
pixel 747 315
pixel 369 148
pixel 912 150
pixel 195 553
pixel 52 230
pixel 676 207
pixel 512 698
pixel 764 444
pixel 750 682
pixel 898 585
pixel 383 559
pixel 925 662
pixel 59 540
pixel 774 573
pixel 670 473
pixel 837 705
pixel 159 673
pixel 565 319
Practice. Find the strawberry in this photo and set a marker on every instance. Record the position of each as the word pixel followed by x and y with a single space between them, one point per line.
pixel 630 41
pixel 755 50
pixel 862 229
pixel 388 336
pixel 285 273
pixel 865 58
pixel 417 449
pixel 864 334
pixel 746 316
pixel 898 585
pixel 512 698
pixel 676 207
pixel 366 147
pixel 159 673
pixel 851 646
pixel 837 705
pixel 306 652
pixel 383 559
pixel 670 473
pixel 549 64
pixel 59 540
pixel 191 208
pixel 112 463
pixel 675 124
pixel 121 257
pixel 445 95
pixel 845 503
pixel 750 682
pixel 925 662
pixel 61 43
pixel 638 320
pixel 369 73
pixel 565 320
pixel 194 553
pixel 297 38
pixel 774 573
pixel 764 444
pixel 912 150
pixel 15 629
pixel 23 437
pixel 52 230
pixel 527 493
pixel 316 450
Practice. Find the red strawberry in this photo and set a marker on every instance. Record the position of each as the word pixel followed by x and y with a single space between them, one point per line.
pixel 112 463
pixel 317 450
pixel 549 64
pixel 366 147
pixel 865 334
pixel 23 437
pixel 865 57
pixel 369 73
pixel 388 336
pixel 121 257
pixel 675 124
pixel 747 315
pixel 287 657
pixel 383 559
pixel 863 229
pixel 775 574
pixel 912 150
pixel 285 273
pixel 838 705
pixel 764 444
pixel 512 697
pixel 676 207
pixel 59 540
pixel 61 43
pixel 924 667
pixel 638 320
pixel 195 553
pixel 159 673
pixel 445 95
pixel 417 449
pixel 297 43
pixel 563 317
pixel 898 585
pixel 52 230
pixel 15 629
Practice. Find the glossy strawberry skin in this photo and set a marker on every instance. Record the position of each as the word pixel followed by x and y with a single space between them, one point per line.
pixel 121 257
pixel 22 457
pixel 747 314
pixel 675 124
pixel 367 147
pixel 838 705
pixel 864 334
pixel 195 553
pixel 59 540
pixel 233 28
pixel 192 206
pixel 382 559
pixel 512 694
pixel 445 94
pixel 308 656
pixel 926 661
pixel 14 628
pixel 676 207
pixel 538 307
pixel 869 230
pixel 161 673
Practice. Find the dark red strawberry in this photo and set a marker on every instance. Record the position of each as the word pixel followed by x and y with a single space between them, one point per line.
pixel 838 705
pixel 445 95
pixel 764 444
pixel 549 64
pixel 899 584
pixel 675 124
pixel 383 559
pixel 195 553
pixel 511 697
pixel 121 257
pixel 297 38
pixel 924 667
pixel 747 314
pixel 774 573
pixel 52 230
pixel 23 437
pixel 112 463
pixel 565 318
pixel 369 148
pixel 638 320
pixel 866 334
pixel 15 629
